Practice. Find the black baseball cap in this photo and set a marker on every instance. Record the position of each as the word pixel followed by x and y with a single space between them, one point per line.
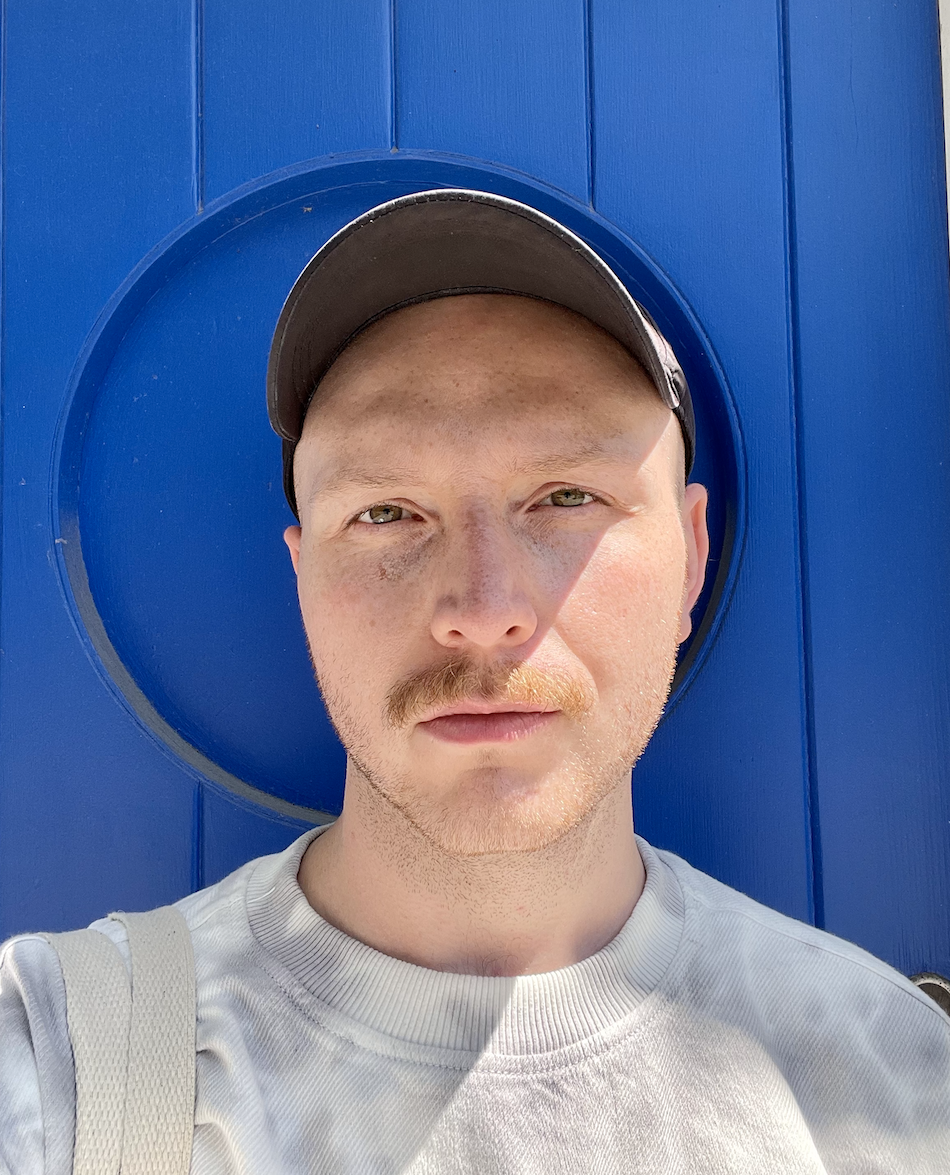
pixel 433 245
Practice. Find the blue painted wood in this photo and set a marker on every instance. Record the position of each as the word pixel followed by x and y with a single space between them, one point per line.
pixel 290 81
pixel 759 158
pixel 689 160
pixel 181 509
pixel 233 832
pixel 169 507
pixel 483 80
pixel 870 257
pixel 98 164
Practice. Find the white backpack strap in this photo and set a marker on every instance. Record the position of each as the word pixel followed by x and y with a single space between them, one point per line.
pixel 134 1051
pixel 160 1105
pixel 98 1007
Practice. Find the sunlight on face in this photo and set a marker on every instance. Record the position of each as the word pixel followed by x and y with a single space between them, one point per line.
pixel 496 565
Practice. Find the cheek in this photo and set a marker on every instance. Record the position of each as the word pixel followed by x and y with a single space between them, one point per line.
pixel 622 618
pixel 355 608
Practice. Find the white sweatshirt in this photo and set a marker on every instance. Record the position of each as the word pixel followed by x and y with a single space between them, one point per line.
pixel 712 1035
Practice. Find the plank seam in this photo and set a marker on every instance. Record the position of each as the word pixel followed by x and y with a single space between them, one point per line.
pixel 197 838
pixel 589 80
pixel 816 903
pixel 393 87
pixel 198 88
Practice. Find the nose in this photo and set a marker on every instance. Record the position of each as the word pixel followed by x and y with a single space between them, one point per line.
pixel 485 601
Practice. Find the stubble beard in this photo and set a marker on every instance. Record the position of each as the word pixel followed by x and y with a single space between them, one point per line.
pixel 486 815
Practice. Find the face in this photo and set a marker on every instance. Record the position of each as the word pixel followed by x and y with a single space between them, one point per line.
pixel 496 564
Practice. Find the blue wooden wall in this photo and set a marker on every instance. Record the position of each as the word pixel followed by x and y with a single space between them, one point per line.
pixel 772 174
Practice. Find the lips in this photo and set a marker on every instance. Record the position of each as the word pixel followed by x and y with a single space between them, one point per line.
pixel 479 723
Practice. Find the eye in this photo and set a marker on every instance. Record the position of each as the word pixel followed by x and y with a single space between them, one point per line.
pixel 384 512
pixel 568 496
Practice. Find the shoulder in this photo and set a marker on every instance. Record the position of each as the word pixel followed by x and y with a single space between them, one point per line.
pixel 36 1072
pixel 216 916
pixel 854 1039
pixel 760 946
pixel 37 1080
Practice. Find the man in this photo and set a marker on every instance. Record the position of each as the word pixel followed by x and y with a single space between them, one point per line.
pixel 478 967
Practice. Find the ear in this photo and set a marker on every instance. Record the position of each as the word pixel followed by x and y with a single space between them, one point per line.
pixel 696 533
pixel 292 539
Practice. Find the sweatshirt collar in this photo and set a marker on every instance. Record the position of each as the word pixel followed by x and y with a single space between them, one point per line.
pixel 417 1006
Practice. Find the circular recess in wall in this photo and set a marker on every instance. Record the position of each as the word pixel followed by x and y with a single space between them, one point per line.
pixel 167 487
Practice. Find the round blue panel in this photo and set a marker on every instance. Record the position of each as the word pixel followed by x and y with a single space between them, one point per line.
pixel 170 507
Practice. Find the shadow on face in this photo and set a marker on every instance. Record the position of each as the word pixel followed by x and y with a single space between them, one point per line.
pixel 492 481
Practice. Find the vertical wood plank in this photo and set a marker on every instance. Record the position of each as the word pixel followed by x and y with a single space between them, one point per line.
pixel 98 166
pixel 872 272
pixel 290 81
pixel 688 153
pixel 497 81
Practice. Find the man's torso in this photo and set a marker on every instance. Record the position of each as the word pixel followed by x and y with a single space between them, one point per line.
pixel 712 1035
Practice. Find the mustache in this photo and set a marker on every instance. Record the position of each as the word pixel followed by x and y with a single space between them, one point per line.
pixel 462 680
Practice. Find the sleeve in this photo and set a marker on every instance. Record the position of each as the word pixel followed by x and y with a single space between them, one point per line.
pixel 37 1078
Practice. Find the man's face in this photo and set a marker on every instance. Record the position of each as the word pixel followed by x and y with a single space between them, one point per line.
pixel 496 565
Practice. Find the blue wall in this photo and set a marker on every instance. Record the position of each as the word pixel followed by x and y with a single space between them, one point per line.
pixel 770 179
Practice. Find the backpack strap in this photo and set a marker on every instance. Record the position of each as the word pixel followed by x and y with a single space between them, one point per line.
pixel 98 1014
pixel 160 1091
pixel 134 1051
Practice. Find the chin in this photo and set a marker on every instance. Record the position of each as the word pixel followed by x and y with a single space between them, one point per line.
pixel 494 811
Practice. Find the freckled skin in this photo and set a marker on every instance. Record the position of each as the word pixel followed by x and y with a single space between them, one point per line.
pixel 464 415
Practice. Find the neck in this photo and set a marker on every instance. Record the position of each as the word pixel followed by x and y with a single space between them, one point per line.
pixel 373 875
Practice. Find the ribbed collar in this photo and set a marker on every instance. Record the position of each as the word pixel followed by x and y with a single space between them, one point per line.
pixel 471 1013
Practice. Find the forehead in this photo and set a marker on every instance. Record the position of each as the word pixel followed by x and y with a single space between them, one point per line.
pixel 495 384
pixel 502 354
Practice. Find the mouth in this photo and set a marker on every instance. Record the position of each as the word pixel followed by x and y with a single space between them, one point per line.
pixel 487 722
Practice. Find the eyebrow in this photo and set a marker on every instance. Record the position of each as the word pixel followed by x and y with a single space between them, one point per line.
pixel 364 479
pixel 590 455
pixel 371 479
